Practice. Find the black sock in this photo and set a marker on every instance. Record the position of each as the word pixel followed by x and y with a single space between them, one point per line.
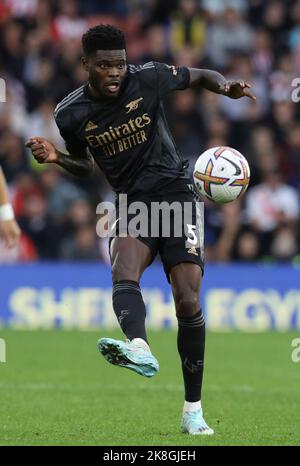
pixel 129 308
pixel 191 343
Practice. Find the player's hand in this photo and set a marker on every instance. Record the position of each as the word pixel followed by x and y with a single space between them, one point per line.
pixel 42 150
pixel 10 232
pixel 237 89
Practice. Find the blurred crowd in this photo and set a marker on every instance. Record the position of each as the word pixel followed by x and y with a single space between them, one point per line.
pixel 254 40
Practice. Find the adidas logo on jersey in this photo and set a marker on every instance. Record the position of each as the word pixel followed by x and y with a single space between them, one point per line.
pixel 90 125
pixel 193 250
pixel 133 105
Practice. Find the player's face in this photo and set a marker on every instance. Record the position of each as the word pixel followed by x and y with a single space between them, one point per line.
pixel 107 69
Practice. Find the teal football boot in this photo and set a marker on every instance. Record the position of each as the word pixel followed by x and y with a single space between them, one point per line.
pixel 193 423
pixel 134 355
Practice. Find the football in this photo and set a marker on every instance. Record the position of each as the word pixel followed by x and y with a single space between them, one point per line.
pixel 221 174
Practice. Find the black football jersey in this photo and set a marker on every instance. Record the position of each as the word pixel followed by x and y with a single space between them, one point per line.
pixel 128 136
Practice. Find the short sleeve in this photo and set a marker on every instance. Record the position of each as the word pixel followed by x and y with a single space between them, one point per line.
pixel 72 142
pixel 171 78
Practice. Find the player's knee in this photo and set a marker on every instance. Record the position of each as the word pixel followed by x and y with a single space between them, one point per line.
pixel 187 303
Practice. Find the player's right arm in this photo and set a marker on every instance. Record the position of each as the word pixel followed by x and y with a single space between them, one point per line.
pixel 79 164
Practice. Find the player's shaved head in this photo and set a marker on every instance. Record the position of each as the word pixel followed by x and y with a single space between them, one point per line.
pixel 103 37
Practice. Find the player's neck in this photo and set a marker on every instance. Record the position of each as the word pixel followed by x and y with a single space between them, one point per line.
pixel 94 93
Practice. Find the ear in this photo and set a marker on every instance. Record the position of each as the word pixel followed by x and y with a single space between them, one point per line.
pixel 84 62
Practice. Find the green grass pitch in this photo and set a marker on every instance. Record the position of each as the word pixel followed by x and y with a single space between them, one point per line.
pixel 56 389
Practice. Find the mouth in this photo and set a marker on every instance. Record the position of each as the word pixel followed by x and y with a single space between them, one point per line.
pixel 113 87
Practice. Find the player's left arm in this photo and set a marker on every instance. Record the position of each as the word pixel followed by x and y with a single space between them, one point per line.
pixel 216 82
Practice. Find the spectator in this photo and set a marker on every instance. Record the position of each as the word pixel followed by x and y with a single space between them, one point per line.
pixel 156 45
pixel 12 155
pixel 39 227
pixel 41 121
pixel 187 28
pixel 262 55
pixel 229 35
pixel 284 245
pixel 79 213
pixel 68 24
pixel 247 247
pixel 187 124
pixel 281 79
pixel 262 152
pixel 270 205
pixel 83 246
pixel 241 68
pixel 60 193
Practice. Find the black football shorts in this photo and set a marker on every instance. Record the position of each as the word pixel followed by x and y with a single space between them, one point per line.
pixel 170 223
